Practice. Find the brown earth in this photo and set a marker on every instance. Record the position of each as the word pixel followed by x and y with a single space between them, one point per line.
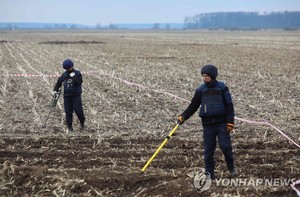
pixel 126 123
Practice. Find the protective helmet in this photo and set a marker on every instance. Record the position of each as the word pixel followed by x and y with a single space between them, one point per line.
pixel 210 70
pixel 68 64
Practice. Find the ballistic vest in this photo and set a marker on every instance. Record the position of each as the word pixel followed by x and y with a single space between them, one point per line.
pixel 212 101
pixel 69 85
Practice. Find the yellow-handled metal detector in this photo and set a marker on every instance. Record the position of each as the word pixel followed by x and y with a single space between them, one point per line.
pixel 160 147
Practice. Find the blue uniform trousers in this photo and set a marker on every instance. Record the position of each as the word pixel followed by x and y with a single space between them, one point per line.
pixel 73 103
pixel 210 135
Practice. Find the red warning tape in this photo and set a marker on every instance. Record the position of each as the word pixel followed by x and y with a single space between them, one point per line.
pixel 163 92
pixel 177 97
pixel 29 75
pixel 172 95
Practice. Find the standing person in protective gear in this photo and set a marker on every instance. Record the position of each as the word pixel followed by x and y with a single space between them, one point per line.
pixel 71 80
pixel 217 116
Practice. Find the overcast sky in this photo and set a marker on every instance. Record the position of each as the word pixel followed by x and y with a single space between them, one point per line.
pixel 91 12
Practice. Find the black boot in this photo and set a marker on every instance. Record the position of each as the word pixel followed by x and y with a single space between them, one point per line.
pixel 82 127
pixel 70 129
pixel 233 172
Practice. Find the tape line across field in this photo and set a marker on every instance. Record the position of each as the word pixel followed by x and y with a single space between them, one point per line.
pixel 92 73
pixel 129 83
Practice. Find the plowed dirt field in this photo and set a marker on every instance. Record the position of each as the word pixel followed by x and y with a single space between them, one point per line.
pixel 135 85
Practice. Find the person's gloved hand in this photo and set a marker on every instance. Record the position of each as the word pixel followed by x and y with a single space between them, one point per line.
pixel 180 120
pixel 230 127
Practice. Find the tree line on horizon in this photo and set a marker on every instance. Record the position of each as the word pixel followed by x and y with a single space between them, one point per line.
pixel 218 20
pixel 244 20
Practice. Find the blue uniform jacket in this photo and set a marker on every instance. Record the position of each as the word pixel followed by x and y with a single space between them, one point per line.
pixel 215 102
pixel 71 81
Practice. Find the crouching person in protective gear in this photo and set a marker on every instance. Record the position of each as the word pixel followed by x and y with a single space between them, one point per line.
pixel 71 80
pixel 217 116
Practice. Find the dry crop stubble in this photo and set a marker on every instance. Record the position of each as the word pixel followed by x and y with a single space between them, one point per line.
pixel 127 123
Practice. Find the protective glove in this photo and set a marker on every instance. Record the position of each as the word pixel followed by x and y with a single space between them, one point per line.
pixel 180 120
pixel 230 127
pixel 55 93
